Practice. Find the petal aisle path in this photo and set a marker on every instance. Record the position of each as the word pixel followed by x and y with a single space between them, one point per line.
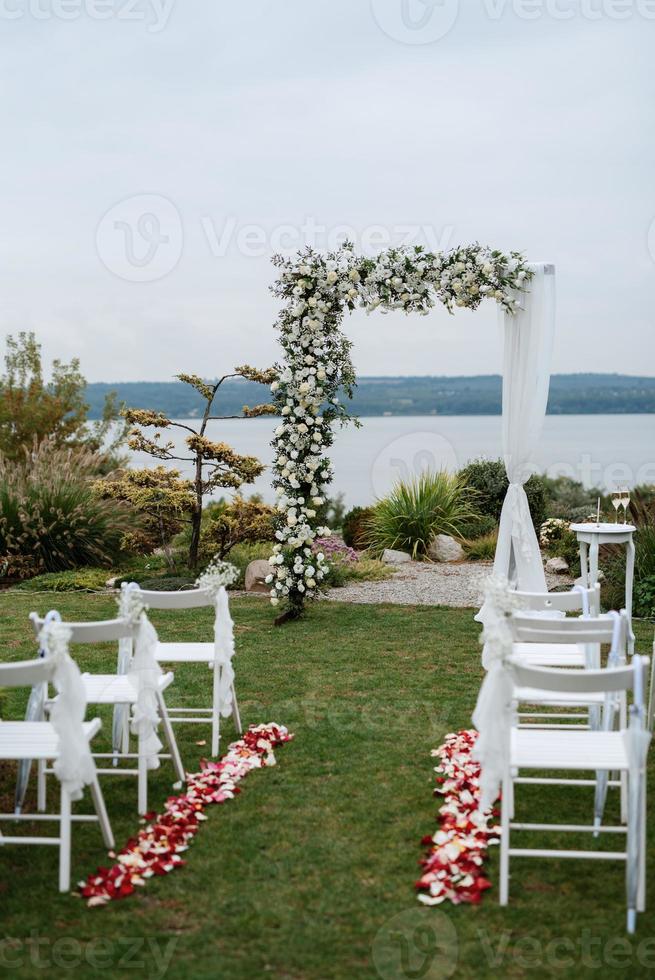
pixel 453 867
pixel 157 847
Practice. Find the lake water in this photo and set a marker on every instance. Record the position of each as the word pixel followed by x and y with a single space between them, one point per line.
pixel 599 450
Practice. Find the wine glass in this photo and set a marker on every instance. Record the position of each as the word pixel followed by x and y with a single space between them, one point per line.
pixel 617 502
pixel 625 503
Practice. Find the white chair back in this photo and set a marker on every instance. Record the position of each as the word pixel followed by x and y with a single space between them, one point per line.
pixel 26 673
pixel 609 628
pixel 189 599
pixel 102 631
pixel 611 679
pixel 579 599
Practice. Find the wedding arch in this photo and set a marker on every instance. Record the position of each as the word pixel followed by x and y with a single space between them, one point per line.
pixel 317 291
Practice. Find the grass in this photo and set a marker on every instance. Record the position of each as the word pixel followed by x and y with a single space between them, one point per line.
pixel 308 875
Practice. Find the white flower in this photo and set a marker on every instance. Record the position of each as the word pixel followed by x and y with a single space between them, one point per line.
pixel 331 277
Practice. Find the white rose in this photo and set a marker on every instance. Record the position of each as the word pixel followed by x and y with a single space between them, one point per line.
pixel 274 601
pixel 331 277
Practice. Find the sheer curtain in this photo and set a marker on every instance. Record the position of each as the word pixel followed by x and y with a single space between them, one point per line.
pixel 529 335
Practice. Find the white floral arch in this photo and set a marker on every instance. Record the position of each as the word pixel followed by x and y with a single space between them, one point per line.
pixel 317 291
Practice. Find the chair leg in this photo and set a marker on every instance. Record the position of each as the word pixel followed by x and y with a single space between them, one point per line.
pixel 216 715
pixel 40 786
pixel 235 712
pixel 125 747
pixel 101 810
pixel 65 841
pixel 641 894
pixel 142 780
pixel 504 840
pixel 170 738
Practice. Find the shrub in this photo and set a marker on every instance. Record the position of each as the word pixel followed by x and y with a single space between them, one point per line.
pixel 50 513
pixel 644 597
pixel 568 498
pixel 365 569
pixel 556 537
pixel 335 549
pixel 353 527
pixel 414 512
pixel 488 479
pixel 240 522
pixel 75 580
pixel 482 548
pixel 479 527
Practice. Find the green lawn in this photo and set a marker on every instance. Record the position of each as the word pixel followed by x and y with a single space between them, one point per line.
pixel 309 873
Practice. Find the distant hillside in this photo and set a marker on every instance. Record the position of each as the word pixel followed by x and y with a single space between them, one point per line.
pixel 570 394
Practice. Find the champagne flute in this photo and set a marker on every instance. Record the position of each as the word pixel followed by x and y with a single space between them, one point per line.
pixel 625 503
pixel 616 503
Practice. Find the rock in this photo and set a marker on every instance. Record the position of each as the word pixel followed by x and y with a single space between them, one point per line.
pixel 111 582
pixel 559 566
pixel 444 548
pixel 392 557
pixel 256 573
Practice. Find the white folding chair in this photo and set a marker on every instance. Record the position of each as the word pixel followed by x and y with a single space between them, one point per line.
pixel 41 741
pixel 123 689
pixel 558 604
pixel 552 750
pixel 207 653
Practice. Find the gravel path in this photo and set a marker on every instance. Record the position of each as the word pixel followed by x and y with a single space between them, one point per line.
pixel 424 584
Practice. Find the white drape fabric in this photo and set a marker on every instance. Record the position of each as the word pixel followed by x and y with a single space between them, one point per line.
pixel 492 716
pixel 224 650
pixel 529 334
pixel 144 673
pixel 74 766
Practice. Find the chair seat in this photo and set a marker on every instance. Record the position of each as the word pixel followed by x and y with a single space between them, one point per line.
pixel 564 699
pixel 35 739
pixel 550 654
pixel 185 653
pixel 551 749
pixel 114 688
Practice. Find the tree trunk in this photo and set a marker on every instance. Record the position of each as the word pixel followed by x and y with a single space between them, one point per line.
pixel 196 522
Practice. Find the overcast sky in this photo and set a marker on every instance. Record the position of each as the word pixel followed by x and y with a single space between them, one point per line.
pixel 156 153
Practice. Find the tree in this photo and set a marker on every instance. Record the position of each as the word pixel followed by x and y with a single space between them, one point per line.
pixel 214 464
pixel 162 499
pixel 33 409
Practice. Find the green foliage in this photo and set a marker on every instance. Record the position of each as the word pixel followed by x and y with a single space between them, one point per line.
pixel 644 597
pixel 167 583
pixel 50 513
pixel 215 464
pixel 74 580
pixel 482 548
pixel 479 526
pixel 568 498
pixel 160 496
pixel 242 554
pixel 366 569
pixel 353 526
pixel 239 522
pixel 33 409
pixel 488 479
pixel 414 512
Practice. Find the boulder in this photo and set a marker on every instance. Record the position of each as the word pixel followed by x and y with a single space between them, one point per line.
pixel 111 582
pixel 395 557
pixel 256 573
pixel 444 548
pixel 559 566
